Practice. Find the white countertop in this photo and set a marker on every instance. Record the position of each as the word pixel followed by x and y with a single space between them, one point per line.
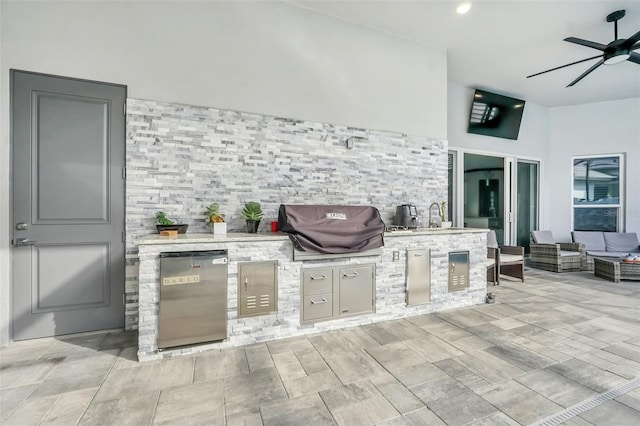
pixel 233 237
pixel 230 237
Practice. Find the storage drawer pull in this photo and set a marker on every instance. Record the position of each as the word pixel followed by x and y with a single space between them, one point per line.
pixel 324 300
pixel 321 277
pixel 355 274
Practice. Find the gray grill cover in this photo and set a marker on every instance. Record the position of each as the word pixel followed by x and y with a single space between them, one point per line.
pixel 332 229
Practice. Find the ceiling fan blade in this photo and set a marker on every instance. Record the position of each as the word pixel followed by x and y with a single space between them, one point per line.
pixel 634 57
pixel 587 43
pixel 584 74
pixel 635 46
pixel 562 66
pixel 631 40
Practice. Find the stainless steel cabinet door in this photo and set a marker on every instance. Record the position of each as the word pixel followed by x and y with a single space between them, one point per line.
pixel 418 276
pixel 257 288
pixel 356 290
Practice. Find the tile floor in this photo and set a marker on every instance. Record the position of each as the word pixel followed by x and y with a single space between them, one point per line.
pixel 552 343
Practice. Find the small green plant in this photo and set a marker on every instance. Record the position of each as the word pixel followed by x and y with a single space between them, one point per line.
pixel 443 210
pixel 162 219
pixel 213 214
pixel 252 211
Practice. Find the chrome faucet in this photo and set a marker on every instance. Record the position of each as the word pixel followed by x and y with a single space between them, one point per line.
pixel 437 223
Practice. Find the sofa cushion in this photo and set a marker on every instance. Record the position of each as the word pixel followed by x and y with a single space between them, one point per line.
pixel 542 237
pixel 621 241
pixel 592 240
pixel 510 258
pixel 598 253
pixel 564 253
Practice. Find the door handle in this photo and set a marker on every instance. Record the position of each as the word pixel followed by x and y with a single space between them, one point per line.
pixel 355 274
pixel 22 242
pixel 321 277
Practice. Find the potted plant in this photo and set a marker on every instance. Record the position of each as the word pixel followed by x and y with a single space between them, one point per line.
pixel 252 214
pixel 443 214
pixel 215 219
pixel 166 224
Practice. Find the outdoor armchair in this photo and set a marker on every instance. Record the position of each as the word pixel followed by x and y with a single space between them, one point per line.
pixel 551 256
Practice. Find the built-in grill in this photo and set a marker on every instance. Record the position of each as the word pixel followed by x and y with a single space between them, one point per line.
pixel 332 230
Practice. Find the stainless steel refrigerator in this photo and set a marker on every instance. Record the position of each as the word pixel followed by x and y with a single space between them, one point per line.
pixel 193 297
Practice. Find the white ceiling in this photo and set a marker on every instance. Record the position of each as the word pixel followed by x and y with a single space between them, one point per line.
pixel 498 43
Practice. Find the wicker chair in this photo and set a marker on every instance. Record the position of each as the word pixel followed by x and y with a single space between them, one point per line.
pixel 492 271
pixel 551 256
pixel 509 260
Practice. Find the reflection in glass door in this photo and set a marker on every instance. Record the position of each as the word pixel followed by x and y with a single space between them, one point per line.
pixel 526 202
pixel 484 193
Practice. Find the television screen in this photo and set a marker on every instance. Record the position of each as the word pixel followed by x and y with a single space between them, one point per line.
pixel 495 115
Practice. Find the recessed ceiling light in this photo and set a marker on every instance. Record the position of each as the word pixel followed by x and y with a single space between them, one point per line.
pixel 463 7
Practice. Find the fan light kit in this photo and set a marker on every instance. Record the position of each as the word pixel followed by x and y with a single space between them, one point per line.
pixel 619 50
pixel 463 7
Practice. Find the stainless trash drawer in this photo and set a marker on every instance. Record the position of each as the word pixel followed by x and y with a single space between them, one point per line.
pixel 317 281
pixel 317 307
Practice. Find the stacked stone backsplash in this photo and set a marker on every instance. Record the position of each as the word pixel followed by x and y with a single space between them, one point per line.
pixel 182 158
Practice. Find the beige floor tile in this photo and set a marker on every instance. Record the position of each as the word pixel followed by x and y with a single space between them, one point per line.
pixel 147 377
pixel 286 345
pixel 397 394
pixel 198 403
pixel 31 411
pixel 453 402
pixel 244 392
pixel 311 361
pixel 132 408
pixel 357 404
pixel 219 364
pixel 312 383
pixel 555 387
pixel 69 407
pixel 520 403
pixel 303 410
pixel 258 357
pixel 288 365
pixel 420 417
pixel 612 413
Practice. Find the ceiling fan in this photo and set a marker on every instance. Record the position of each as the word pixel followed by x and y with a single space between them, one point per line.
pixel 619 50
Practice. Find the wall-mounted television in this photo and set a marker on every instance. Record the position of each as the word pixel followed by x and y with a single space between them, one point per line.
pixel 495 115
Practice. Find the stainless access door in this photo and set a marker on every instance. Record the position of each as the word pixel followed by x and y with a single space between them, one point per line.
pixel 67 195
pixel 418 276
pixel 193 297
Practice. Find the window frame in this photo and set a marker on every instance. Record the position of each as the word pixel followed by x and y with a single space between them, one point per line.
pixel 619 206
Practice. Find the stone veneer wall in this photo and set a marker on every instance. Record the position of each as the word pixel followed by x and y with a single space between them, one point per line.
pixel 182 158
pixel 390 286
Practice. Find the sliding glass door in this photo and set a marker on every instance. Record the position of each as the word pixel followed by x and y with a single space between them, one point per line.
pixel 500 193
pixel 484 193
pixel 527 178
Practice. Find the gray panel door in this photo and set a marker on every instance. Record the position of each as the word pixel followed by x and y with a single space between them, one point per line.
pixel 68 155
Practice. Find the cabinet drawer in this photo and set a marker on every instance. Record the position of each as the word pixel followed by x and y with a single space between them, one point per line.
pixel 317 281
pixel 317 307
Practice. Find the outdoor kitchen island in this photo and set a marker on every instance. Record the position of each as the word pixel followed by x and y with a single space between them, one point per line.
pixel 390 282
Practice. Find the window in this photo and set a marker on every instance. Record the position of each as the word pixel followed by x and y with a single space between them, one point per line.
pixel 597 183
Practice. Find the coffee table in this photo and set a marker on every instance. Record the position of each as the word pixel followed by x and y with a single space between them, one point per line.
pixel 615 269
